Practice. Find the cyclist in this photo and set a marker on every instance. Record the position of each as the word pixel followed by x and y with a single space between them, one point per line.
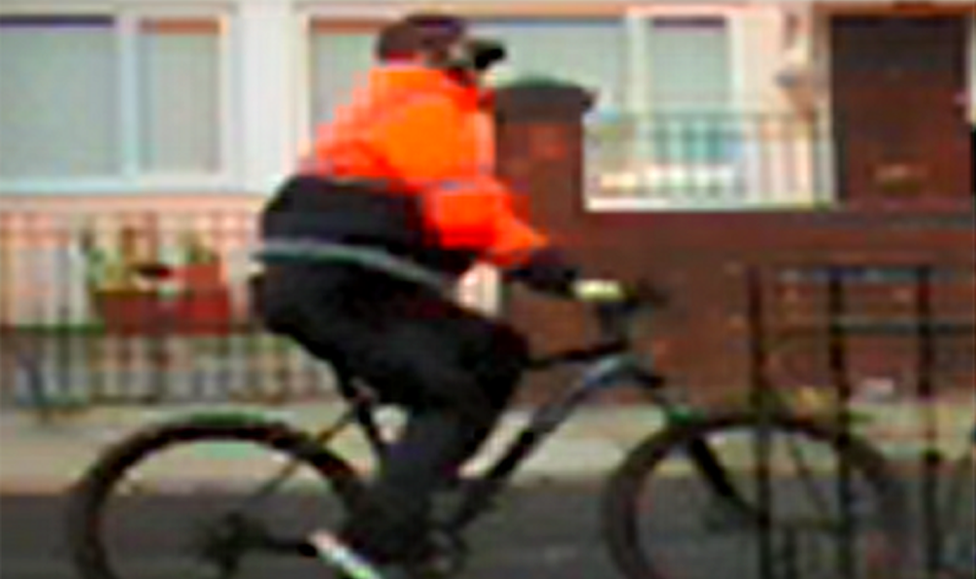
pixel 406 171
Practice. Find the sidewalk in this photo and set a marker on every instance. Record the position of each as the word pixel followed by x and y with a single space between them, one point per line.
pixel 47 458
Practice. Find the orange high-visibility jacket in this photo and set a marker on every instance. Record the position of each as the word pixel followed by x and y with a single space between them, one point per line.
pixel 424 135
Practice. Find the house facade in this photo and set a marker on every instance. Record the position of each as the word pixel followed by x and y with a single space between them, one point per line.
pixel 717 135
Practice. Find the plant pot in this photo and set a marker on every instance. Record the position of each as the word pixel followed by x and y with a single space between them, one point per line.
pixel 129 311
pixel 201 276
pixel 204 311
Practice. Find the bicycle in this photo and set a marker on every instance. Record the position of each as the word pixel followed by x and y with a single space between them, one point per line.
pixel 695 450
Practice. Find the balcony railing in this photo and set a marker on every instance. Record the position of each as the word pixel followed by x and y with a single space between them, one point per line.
pixel 707 161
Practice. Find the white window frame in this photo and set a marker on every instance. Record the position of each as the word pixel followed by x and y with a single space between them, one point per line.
pixel 338 13
pixel 129 180
pixel 638 21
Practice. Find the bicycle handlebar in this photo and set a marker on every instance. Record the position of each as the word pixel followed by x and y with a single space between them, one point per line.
pixel 616 321
pixel 616 318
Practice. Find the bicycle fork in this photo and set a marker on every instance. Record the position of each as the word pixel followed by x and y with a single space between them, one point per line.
pixel 727 509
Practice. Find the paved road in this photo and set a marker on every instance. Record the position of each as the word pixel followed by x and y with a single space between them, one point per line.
pixel 544 531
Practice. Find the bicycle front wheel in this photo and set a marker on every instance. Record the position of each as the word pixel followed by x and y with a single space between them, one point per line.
pixel 213 497
pixel 721 497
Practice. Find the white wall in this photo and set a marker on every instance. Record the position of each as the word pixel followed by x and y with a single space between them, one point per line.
pixel 267 81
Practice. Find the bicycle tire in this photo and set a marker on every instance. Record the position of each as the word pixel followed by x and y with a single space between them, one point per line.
pixel 623 490
pixel 87 498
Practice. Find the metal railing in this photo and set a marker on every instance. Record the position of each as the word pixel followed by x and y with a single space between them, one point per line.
pixel 80 326
pixel 709 160
pixel 823 309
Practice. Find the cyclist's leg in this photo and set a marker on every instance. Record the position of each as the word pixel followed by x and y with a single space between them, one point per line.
pixel 455 373
pixel 451 369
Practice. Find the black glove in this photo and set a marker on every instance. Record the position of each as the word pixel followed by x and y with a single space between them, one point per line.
pixel 547 271
pixel 615 303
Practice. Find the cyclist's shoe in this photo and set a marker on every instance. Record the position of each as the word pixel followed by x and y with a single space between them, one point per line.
pixel 352 565
pixel 396 572
pixel 348 563
pixel 385 572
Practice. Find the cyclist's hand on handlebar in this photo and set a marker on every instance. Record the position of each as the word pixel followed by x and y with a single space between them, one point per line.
pixel 599 291
pixel 614 303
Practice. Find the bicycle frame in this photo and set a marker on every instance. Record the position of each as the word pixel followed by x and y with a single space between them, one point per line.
pixel 610 371
pixel 607 367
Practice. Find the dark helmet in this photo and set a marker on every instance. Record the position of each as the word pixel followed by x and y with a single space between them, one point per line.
pixel 442 38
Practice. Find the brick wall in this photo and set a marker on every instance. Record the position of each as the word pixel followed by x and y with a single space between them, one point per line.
pixel 702 258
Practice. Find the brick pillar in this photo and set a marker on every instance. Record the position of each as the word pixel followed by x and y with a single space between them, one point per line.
pixel 540 148
pixel 540 154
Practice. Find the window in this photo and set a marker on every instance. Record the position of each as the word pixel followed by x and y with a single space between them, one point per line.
pixel 590 53
pixel 58 98
pixel 109 98
pixel 689 65
pixel 180 95
pixel 341 53
pixel 688 138
pixel 680 139
pixel 689 91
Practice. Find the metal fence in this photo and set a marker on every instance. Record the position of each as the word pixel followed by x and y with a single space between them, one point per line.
pixel 831 306
pixel 81 326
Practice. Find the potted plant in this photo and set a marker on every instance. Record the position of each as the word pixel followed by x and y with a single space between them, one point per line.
pixel 204 298
pixel 121 300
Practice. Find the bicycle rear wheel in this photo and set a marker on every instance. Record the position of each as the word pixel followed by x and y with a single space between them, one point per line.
pixel 180 501
pixel 667 517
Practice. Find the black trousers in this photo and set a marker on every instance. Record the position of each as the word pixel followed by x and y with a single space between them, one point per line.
pixel 452 370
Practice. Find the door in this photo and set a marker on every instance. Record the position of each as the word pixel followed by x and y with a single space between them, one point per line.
pixel 899 95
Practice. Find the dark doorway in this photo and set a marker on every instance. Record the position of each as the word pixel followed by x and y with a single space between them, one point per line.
pixel 898 86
